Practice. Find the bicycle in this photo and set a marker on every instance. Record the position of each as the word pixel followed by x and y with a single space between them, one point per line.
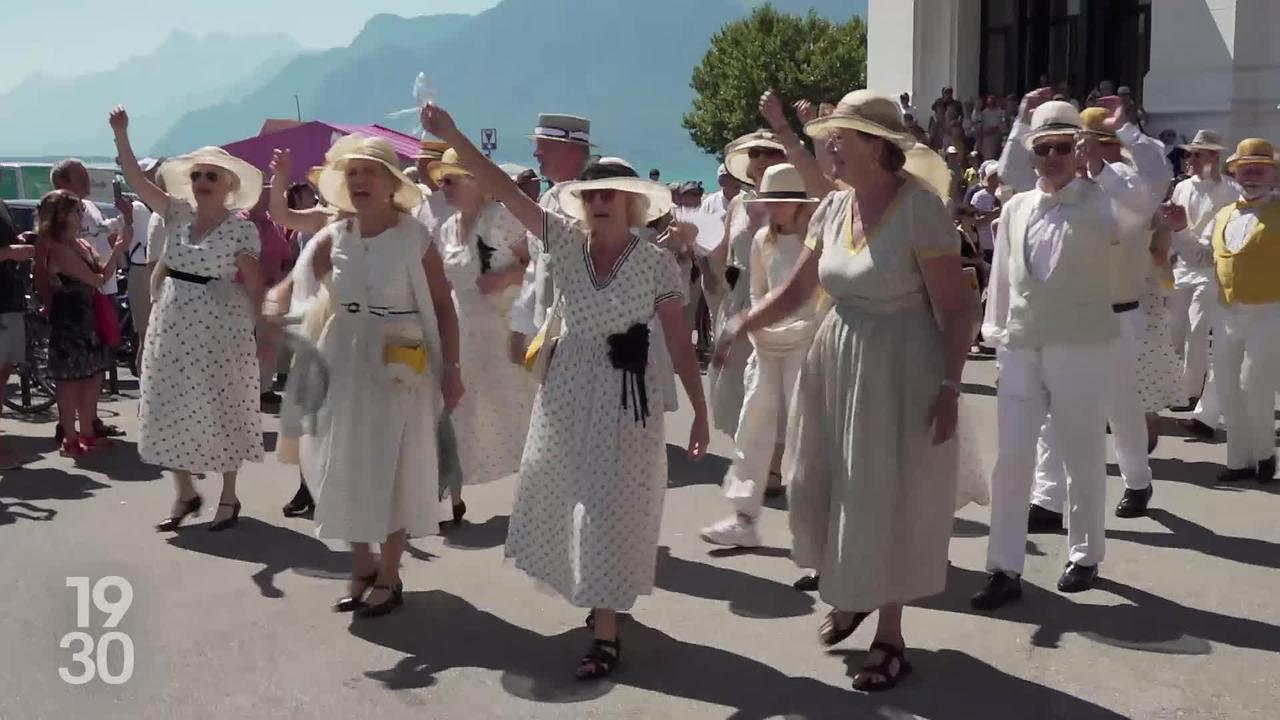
pixel 35 392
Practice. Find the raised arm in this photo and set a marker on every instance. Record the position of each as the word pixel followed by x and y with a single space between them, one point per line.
pixel 492 178
pixel 816 181
pixel 308 221
pixel 151 195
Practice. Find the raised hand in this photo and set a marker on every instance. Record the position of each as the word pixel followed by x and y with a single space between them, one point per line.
pixel 1173 216
pixel 806 111
pixel 119 119
pixel 126 209
pixel 437 121
pixel 1035 99
pixel 1119 113
pixel 281 163
pixel 771 110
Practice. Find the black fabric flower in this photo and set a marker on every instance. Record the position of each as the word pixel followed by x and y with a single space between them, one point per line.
pixel 486 256
pixel 731 274
pixel 629 352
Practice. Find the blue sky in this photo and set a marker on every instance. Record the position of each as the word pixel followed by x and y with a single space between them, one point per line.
pixel 74 37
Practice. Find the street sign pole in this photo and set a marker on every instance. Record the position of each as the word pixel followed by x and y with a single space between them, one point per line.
pixel 489 141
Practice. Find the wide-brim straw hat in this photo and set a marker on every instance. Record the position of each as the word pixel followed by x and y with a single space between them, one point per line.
pixel 613 174
pixel 447 165
pixel 1054 118
pixel 782 184
pixel 333 178
pixel 431 150
pixel 1252 151
pixel 737 153
pixel 1205 139
pixel 176 173
pixel 869 112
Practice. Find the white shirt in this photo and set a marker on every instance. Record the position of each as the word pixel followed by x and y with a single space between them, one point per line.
pixel 716 204
pixel 137 252
pixel 986 202
pixel 97 230
pixel 1202 199
pixel 1239 227
pixel 155 237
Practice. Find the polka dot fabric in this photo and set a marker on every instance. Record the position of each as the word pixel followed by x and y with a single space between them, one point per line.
pixel 1159 370
pixel 589 506
pixel 199 409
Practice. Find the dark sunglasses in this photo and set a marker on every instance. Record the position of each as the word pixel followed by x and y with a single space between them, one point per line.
pixel 209 175
pixel 590 196
pixel 758 152
pixel 447 181
pixel 1061 148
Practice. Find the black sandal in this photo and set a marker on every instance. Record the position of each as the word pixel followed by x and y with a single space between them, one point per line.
pixel 355 600
pixel 834 634
pixel 808 583
pixel 386 607
pixel 601 659
pixel 590 622
pixel 866 680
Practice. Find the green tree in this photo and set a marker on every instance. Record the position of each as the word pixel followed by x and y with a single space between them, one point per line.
pixel 802 58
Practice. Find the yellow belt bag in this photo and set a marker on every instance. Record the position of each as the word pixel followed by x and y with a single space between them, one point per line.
pixel 413 357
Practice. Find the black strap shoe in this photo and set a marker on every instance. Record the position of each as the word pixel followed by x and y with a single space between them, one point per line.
pixel 1234 475
pixel 301 504
pixel 1267 470
pixel 1042 520
pixel 1000 590
pixel 1134 503
pixel 1077 578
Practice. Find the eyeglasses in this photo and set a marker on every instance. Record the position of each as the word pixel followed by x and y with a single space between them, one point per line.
pixel 1061 148
pixel 209 175
pixel 447 181
pixel 759 152
pixel 590 196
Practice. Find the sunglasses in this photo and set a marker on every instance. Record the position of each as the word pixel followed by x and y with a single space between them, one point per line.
pixel 759 152
pixel 590 196
pixel 1061 148
pixel 209 175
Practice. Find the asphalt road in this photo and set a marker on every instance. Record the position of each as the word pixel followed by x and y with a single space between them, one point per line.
pixel 236 625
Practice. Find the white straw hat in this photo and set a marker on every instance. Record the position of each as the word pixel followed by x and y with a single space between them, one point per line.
pixel 1205 140
pixel 1055 117
pixel 176 173
pixel 737 154
pixel 619 176
pixel 782 183
pixel 332 182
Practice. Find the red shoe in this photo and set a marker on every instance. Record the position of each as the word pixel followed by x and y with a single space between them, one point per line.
pixel 72 448
pixel 95 442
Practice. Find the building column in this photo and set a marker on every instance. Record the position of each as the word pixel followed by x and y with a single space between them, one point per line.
pixel 921 46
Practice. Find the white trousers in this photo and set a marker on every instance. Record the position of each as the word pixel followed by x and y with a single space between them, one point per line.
pixel 1209 408
pixel 1192 311
pixel 1247 373
pixel 1124 412
pixel 1069 382
pixel 770 384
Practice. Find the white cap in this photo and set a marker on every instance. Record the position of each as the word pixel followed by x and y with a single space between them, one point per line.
pixel 951 149
pixel 147 164
pixel 721 171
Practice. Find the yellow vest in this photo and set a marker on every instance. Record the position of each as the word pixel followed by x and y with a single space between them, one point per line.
pixel 1250 276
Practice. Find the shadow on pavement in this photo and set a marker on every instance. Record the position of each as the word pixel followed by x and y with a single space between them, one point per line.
pixel 47 484
pixel 972 529
pixel 682 472
pixel 979 389
pixel 10 513
pixel 1148 623
pixel 275 548
pixel 438 631
pixel 748 595
pixel 1187 535
pixel 121 463
pixel 489 534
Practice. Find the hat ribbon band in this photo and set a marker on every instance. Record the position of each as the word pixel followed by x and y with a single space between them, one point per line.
pixel 1057 126
pixel 783 195
pixel 562 134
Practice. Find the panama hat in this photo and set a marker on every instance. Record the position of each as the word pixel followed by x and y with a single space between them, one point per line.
pixel 176 173
pixel 448 164
pixel 431 150
pixel 874 114
pixel 1092 119
pixel 737 154
pixel 333 178
pixel 1053 118
pixel 563 128
pixel 1205 139
pixel 782 183
pixel 613 174
pixel 1252 151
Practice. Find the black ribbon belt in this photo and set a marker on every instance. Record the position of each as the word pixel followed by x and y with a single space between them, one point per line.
pixel 1125 307
pixel 378 310
pixel 629 352
pixel 188 277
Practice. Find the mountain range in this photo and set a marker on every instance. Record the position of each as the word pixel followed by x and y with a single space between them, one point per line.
pixel 624 64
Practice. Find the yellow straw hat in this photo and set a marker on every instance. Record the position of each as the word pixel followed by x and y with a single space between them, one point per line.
pixel 448 164
pixel 1252 151
pixel 333 178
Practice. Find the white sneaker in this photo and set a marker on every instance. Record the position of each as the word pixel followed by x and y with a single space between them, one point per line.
pixel 733 532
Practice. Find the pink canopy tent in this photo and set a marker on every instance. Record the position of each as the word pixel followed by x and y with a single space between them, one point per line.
pixel 309 142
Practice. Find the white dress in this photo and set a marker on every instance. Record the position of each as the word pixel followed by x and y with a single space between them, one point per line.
pixel 592 478
pixel 372 460
pixel 726 382
pixel 199 409
pixel 492 419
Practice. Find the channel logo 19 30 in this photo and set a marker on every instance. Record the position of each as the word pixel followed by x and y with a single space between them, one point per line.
pixel 91 656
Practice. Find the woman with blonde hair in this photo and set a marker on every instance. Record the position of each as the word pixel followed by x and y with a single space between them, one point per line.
pixel 392 350
pixel 873 483
pixel 77 352
pixel 200 406
pixel 594 468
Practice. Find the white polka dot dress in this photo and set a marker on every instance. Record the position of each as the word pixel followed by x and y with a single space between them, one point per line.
pixel 592 477
pixel 1159 369
pixel 199 409
pixel 492 419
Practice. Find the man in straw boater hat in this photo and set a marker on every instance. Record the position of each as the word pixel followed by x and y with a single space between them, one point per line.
pixel 1139 161
pixel 1194 307
pixel 1245 236
pixel 562 147
pixel 1050 308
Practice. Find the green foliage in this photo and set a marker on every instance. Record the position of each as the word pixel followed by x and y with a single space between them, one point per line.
pixel 802 58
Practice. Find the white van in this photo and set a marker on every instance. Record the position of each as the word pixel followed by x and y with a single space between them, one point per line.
pixel 30 181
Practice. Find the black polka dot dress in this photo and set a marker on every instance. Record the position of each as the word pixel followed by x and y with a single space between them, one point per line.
pixel 592 476
pixel 199 407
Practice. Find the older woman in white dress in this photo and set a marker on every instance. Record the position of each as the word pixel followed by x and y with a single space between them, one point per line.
pixel 485 253
pixel 199 409
pixel 392 350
